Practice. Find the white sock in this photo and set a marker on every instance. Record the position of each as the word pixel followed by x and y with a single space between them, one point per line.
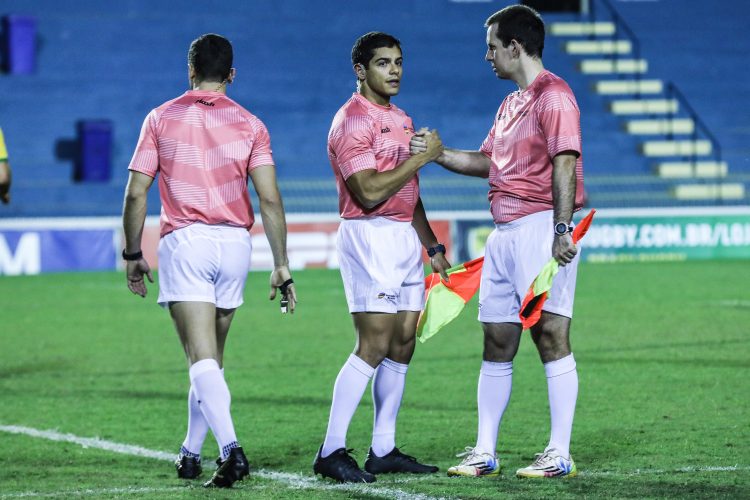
pixel 387 391
pixel 197 426
pixel 350 385
pixel 562 388
pixel 493 394
pixel 214 400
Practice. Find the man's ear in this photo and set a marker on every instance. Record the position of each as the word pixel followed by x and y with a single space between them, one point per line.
pixel 516 48
pixel 359 71
pixel 232 75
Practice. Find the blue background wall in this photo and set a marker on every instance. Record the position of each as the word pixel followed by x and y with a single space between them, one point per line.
pixel 118 61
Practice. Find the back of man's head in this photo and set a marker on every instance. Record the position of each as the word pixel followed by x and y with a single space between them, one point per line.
pixel 520 23
pixel 211 57
pixel 366 45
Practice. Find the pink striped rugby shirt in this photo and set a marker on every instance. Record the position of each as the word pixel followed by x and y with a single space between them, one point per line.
pixel 532 127
pixel 204 145
pixel 366 136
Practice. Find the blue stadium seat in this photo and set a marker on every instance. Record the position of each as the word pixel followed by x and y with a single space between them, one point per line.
pixel 118 61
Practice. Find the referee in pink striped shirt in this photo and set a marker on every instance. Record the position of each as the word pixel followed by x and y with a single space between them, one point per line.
pixel 204 148
pixel 532 157
pixel 380 239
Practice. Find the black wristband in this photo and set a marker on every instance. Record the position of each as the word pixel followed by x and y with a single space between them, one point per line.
pixel 437 248
pixel 132 256
pixel 285 285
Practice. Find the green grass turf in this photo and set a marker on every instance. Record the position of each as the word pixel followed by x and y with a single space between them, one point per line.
pixel 662 351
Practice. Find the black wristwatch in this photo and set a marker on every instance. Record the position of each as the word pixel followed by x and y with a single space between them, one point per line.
pixel 132 256
pixel 437 248
pixel 563 228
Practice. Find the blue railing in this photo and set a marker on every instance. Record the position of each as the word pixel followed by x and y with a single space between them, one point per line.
pixel 620 25
pixel 671 90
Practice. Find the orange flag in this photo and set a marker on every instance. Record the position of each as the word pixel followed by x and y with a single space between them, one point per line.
pixel 444 300
pixel 531 309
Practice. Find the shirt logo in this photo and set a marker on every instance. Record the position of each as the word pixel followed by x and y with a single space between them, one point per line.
pixel 408 130
pixel 385 130
pixel 205 103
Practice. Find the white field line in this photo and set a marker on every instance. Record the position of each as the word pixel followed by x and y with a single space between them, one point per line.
pixel 93 492
pixel 101 444
pixel 296 481
pixel 639 472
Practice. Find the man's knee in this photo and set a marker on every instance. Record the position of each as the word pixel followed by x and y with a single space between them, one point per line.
pixel 501 341
pixel 552 337
pixel 372 350
pixel 374 334
pixel 401 350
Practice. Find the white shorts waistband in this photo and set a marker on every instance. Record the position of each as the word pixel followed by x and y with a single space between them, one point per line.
pixel 376 222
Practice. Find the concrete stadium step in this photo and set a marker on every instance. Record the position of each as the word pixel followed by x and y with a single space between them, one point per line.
pixel 628 191
pixel 610 66
pixel 660 126
pixel 614 87
pixel 676 148
pixel 686 169
pixel 643 106
pixel 723 191
pixel 592 47
pixel 582 29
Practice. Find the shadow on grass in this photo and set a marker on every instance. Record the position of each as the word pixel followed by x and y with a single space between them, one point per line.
pixel 60 365
pixel 713 343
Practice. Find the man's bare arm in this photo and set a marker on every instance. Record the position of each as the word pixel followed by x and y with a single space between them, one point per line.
pixel 421 225
pixel 372 187
pixel 472 163
pixel 274 225
pixel 5 178
pixel 133 218
pixel 563 203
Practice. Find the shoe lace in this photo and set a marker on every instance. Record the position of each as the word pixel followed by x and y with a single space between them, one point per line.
pixel 403 456
pixel 540 459
pixel 470 455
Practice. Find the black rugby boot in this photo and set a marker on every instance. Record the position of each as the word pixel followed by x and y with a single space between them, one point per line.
pixel 395 461
pixel 231 470
pixel 188 467
pixel 341 466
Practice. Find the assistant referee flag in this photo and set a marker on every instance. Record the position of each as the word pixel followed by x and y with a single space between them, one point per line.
pixel 444 300
pixel 531 308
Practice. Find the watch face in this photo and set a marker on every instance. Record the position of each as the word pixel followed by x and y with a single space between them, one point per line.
pixel 561 228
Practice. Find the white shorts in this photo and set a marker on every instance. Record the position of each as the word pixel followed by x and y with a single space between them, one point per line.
pixel 204 263
pixel 513 256
pixel 381 265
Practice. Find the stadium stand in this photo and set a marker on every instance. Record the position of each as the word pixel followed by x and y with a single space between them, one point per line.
pixel 117 61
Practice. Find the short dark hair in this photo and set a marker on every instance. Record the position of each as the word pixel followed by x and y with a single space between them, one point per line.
pixel 520 23
pixel 365 46
pixel 211 57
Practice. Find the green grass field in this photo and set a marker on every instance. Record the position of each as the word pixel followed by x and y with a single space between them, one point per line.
pixel 663 352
